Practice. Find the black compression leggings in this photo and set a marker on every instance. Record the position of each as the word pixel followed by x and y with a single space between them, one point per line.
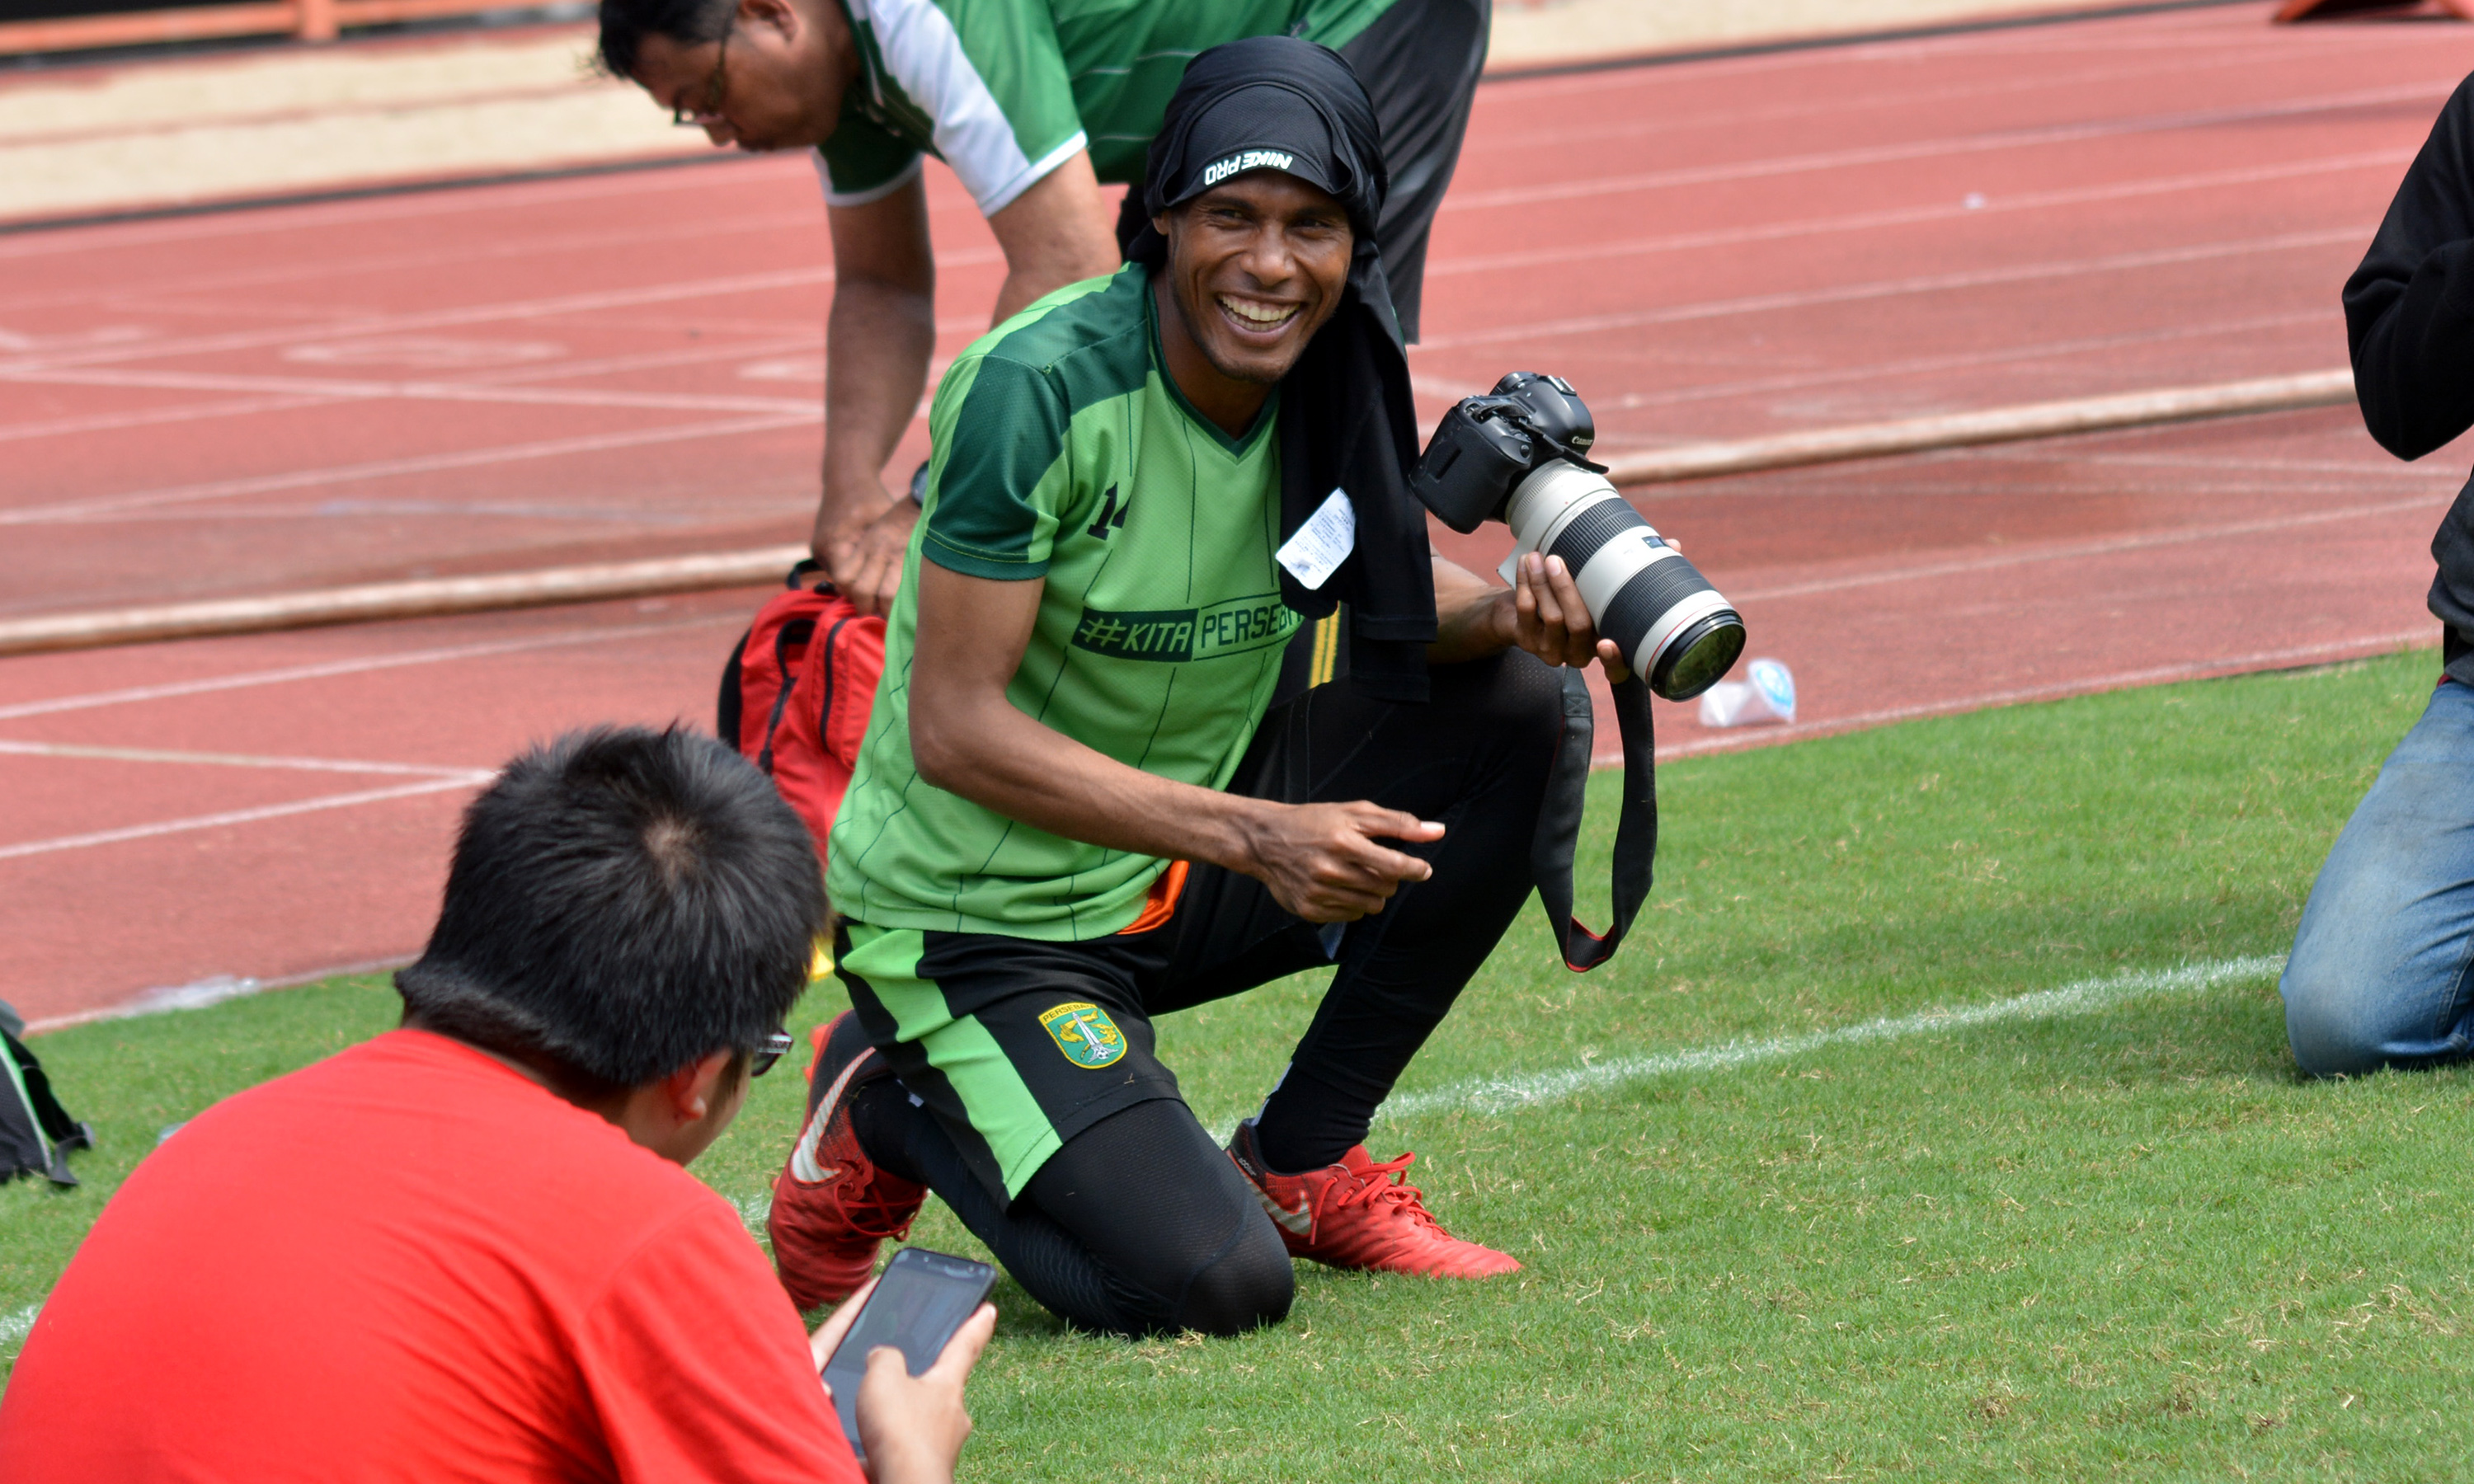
pixel 1138 1225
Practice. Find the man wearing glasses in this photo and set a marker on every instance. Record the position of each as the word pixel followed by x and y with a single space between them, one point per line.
pixel 1035 106
pixel 468 1249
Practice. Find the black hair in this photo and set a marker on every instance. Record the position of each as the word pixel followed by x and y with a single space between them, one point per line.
pixel 626 23
pixel 623 903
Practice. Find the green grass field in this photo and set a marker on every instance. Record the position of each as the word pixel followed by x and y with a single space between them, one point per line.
pixel 1778 1222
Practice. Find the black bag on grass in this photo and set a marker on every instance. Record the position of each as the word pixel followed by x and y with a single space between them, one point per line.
pixel 36 1132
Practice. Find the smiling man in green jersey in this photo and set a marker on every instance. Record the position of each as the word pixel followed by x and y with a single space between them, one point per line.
pixel 1034 104
pixel 1079 806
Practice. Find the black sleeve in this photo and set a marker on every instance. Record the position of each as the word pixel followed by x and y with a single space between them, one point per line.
pixel 2410 306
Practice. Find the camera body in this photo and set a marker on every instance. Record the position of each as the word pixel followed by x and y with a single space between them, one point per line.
pixel 1487 445
pixel 1520 455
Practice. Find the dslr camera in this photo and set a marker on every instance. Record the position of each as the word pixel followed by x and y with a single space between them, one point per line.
pixel 1520 455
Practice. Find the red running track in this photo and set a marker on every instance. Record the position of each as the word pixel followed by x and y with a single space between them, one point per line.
pixel 523 375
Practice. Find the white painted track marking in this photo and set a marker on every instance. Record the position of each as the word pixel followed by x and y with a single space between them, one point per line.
pixel 1598 186
pixel 338 388
pixel 1895 287
pixel 240 760
pixel 2074 551
pixel 358 666
pixel 2052 349
pixel 425 463
pixel 102 837
pixel 356 327
pixel 1910 216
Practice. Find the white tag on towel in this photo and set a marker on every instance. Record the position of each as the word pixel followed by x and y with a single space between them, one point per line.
pixel 1323 543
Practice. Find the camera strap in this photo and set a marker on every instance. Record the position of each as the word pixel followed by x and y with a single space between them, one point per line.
pixel 1558 819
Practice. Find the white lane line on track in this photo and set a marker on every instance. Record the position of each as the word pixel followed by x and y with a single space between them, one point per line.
pixel 2234 463
pixel 1941 147
pixel 599 301
pixel 1667 115
pixel 420 206
pixel 1907 51
pixel 2079 550
pixel 193 412
pixel 2085 997
pixel 423 463
pixel 554 371
pixel 77 750
pixel 307 393
pixel 236 817
pixel 135 695
pixel 1921 365
pixel 2332 651
pixel 1894 288
pixel 338 390
pixel 810 276
pixel 756 348
pixel 298 269
pixel 1908 216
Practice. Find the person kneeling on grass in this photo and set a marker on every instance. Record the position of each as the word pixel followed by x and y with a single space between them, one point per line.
pixel 2382 972
pixel 1099 607
pixel 468 1249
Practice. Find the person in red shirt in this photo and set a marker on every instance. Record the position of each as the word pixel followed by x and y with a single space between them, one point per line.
pixel 470 1249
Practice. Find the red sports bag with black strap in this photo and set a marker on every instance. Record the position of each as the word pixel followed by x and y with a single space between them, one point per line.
pixel 796 693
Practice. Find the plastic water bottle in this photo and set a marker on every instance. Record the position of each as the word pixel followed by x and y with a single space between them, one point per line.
pixel 1768 696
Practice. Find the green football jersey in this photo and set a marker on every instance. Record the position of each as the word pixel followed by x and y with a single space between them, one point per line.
pixel 1063 451
pixel 1007 90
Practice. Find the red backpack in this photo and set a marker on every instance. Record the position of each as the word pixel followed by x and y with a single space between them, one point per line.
pixel 796 693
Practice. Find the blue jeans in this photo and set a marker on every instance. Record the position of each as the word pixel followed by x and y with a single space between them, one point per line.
pixel 2383 966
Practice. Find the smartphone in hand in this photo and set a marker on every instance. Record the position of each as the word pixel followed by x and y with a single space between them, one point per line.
pixel 921 1298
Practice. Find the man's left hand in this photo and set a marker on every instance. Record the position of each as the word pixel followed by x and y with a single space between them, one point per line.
pixel 1549 620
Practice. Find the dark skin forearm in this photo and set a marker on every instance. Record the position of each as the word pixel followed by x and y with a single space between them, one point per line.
pixel 1322 862
pixel 877 339
pixel 1540 612
pixel 1060 231
pixel 883 330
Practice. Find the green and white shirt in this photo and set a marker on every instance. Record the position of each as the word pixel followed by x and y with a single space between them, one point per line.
pixel 1005 90
pixel 1064 451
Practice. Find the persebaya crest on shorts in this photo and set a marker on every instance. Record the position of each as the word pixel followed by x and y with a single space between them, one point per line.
pixel 1085 1032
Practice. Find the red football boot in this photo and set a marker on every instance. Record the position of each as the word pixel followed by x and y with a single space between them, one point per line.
pixel 1360 1214
pixel 831 1206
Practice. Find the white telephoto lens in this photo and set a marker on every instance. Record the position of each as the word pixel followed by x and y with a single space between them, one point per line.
pixel 1671 624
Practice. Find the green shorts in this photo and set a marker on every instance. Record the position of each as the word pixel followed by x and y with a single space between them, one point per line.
pixel 1015 1045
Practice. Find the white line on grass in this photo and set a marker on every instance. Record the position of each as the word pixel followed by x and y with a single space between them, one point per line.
pixel 14 1328
pixel 2087 996
pixel 1505 1095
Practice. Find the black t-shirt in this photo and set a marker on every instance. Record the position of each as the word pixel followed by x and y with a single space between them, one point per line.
pixel 2410 321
